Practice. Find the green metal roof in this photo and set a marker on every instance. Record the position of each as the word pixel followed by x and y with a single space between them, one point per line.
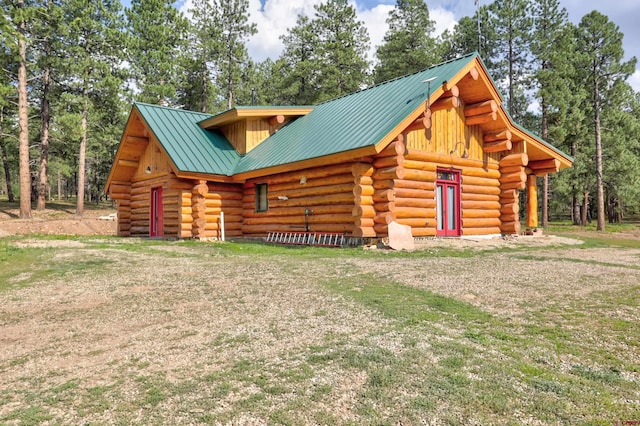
pixel 191 148
pixel 354 121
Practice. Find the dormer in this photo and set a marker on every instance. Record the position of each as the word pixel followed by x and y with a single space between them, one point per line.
pixel 247 126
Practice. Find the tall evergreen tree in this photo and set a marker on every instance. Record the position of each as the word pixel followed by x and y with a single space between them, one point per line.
pixel 156 37
pixel 7 91
pixel 341 52
pixel 551 48
pixel 511 22
pixel 95 39
pixel 408 46
pixel 600 45
pixel 232 18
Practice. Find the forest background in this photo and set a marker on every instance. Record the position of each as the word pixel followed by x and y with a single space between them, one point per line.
pixel 70 70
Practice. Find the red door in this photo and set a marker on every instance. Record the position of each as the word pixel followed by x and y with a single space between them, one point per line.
pixel 448 203
pixel 155 221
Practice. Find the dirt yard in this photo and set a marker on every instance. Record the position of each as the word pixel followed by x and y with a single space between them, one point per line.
pixel 130 332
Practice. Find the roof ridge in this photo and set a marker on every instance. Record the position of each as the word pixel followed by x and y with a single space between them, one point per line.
pixel 460 58
pixel 136 103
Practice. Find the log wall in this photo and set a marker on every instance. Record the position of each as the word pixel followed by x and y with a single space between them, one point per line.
pixel 513 179
pixel 121 193
pixel 326 192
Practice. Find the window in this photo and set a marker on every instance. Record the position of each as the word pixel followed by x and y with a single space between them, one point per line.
pixel 262 202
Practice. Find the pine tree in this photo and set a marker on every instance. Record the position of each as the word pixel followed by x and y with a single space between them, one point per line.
pixel 95 38
pixel 156 37
pixel 8 37
pixel 343 42
pixel 511 22
pixel 232 19
pixel 600 46
pixel 408 45
pixel 551 44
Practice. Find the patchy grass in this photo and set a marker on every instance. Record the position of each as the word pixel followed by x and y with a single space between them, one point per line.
pixel 106 330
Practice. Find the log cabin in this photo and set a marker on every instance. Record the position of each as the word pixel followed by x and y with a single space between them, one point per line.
pixel 434 150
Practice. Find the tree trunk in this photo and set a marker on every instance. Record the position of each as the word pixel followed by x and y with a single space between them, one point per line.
pixel 5 161
pixel 599 182
pixel 584 217
pixel 545 179
pixel 44 140
pixel 82 155
pixel 203 95
pixel 23 122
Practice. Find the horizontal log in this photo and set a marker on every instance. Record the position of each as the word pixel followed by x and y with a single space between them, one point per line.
pixel 316 191
pixel 481 213
pixel 363 180
pixel 120 196
pixel 263 230
pixel 365 190
pixel 314 173
pixel 384 184
pixel 466 196
pixel 363 232
pixel 481 119
pixel 480 181
pixel 200 190
pixel 366 222
pixel 509 194
pixel 416 222
pixel 362 169
pixel 224 195
pixel 395 148
pixel 343 198
pixel 384 195
pixel 384 162
pixel 512 169
pixel 450 90
pixel 447 160
pixel 384 218
pixel 493 230
pixel 498 146
pixel 419 165
pixel 513 177
pixel 363 211
pixel 389 173
pixel 510 209
pixel 423 232
pixel 480 189
pixel 340 179
pixel 119 189
pixel 510 217
pixel 502 135
pixel 480 222
pixel 384 207
pixel 480 205
pixel 301 220
pixel 414 212
pixel 136 204
pixel 381 229
pixel 299 211
pixel 551 163
pixel 419 175
pixel 426 203
pixel 521 159
pixel 420 123
pixel 479 108
pixel 414 193
pixel 450 102
pixel 513 185
pixel 363 200
pixel 414 184
pixel 542 172
pixel 510 227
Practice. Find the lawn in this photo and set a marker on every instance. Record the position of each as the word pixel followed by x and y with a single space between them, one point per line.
pixel 99 330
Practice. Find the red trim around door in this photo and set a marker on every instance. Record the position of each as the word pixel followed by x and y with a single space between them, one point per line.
pixel 156 216
pixel 448 220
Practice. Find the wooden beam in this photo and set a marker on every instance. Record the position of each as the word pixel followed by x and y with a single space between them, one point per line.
pixel 492 137
pixel 481 119
pixel 450 90
pixel 521 159
pixel 137 140
pixel 497 146
pixel 551 163
pixel 445 103
pixel 481 108
pixel 532 202
pixel 474 73
pixel 277 119
pixel 542 172
pixel 128 163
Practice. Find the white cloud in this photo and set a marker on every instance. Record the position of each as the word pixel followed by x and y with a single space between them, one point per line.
pixel 444 19
pixel 634 81
pixel 375 21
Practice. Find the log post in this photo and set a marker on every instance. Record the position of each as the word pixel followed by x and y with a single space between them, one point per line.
pixel 532 202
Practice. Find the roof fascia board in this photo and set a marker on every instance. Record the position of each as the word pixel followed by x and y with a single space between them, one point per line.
pixel 341 157
pixel 239 113
pixel 132 114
